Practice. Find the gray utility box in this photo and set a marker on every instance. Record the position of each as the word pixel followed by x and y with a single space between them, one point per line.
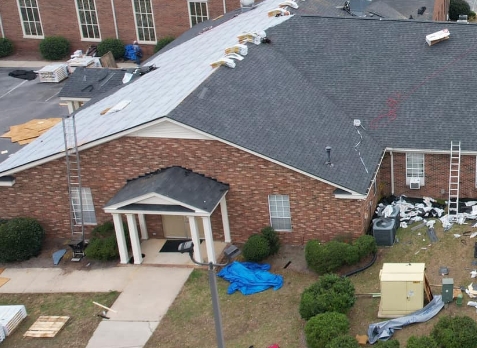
pixel 447 290
pixel 384 231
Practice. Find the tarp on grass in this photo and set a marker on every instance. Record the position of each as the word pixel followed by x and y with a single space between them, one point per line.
pixel 250 277
pixel 385 329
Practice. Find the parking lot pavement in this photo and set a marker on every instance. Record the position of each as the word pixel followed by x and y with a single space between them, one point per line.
pixel 22 101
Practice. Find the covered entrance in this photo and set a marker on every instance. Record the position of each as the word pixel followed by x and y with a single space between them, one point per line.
pixel 184 199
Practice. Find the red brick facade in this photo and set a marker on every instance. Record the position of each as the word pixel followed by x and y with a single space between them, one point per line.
pixel 59 17
pixel 41 192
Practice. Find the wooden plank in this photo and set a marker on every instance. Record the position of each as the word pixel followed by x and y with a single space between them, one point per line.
pixel 427 289
pixel 46 326
pixel 108 61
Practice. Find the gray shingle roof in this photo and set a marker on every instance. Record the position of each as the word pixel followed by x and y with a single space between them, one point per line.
pixel 90 82
pixel 176 183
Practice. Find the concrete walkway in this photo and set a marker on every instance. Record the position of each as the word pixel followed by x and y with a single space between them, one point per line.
pixel 146 294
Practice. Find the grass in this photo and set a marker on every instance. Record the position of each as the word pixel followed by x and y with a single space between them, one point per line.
pixel 77 331
pixel 260 320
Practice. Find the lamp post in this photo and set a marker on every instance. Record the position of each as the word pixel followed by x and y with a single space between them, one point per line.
pixel 230 253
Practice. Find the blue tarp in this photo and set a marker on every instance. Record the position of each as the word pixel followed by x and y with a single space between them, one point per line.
pixel 250 277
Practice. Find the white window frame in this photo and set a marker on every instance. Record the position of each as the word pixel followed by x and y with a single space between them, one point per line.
pixel 279 208
pixel 22 4
pixel 153 27
pixel 197 17
pixel 88 15
pixel 89 214
pixel 413 167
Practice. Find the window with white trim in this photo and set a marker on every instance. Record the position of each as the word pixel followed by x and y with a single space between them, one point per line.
pixel 414 167
pixel 280 217
pixel 144 20
pixel 88 19
pixel 89 216
pixel 30 17
pixel 198 12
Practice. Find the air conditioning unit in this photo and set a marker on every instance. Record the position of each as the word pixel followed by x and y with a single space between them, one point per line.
pixel 415 184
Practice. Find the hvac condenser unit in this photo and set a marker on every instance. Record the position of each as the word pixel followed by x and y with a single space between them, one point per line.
pixel 384 231
pixel 402 289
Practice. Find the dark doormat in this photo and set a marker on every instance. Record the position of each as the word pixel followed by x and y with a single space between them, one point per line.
pixel 23 74
pixel 172 245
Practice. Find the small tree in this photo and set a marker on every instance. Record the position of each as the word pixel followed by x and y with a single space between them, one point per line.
pixel 54 47
pixel 458 7
pixel 256 248
pixel 322 328
pixel 331 293
pixel 116 47
pixel 456 332
pixel 272 237
pixel 6 47
pixel 20 239
pixel 345 341
pixel 421 342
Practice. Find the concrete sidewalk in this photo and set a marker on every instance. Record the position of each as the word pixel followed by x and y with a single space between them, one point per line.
pixel 146 294
pixel 41 64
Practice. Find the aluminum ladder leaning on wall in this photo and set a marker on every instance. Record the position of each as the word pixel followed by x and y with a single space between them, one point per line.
pixel 454 177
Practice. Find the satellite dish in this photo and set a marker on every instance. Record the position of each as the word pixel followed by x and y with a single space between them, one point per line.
pixel 247 3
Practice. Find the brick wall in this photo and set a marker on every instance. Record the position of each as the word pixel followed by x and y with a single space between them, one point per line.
pixel 436 173
pixel 59 17
pixel 41 192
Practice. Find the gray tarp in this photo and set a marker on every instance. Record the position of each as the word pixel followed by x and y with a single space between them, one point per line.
pixel 385 329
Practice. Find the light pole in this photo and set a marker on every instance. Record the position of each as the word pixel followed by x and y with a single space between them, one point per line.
pixel 230 252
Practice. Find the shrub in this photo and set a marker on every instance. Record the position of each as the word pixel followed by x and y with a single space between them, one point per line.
pixel 54 47
pixel 20 239
pixel 331 293
pixel 421 342
pixel 366 245
pixel 388 344
pixel 116 47
pixel 471 15
pixel 6 47
pixel 345 341
pixel 272 237
pixel 458 7
pixel 351 254
pixel 322 328
pixel 325 258
pixel 163 43
pixel 456 332
pixel 256 248
pixel 103 245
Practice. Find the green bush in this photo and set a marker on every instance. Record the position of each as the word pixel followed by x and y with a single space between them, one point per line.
pixel 331 293
pixel 103 245
pixel 325 258
pixel 387 344
pixel 256 248
pixel 163 43
pixel 322 328
pixel 471 15
pixel 20 239
pixel 421 342
pixel 456 332
pixel 6 47
pixel 54 47
pixel 272 237
pixel 116 47
pixel 345 341
pixel 366 245
pixel 351 254
pixel 458 7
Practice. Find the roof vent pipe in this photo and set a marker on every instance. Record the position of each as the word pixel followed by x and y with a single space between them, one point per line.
pixel 328 153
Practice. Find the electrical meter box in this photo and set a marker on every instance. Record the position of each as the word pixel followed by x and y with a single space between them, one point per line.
pixel 447 290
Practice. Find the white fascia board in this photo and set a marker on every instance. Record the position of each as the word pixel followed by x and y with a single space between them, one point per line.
pixel 150 212
pixel 9 183
pixel 351 196
pixel 164 119
pixel 427 151
pixel 75 99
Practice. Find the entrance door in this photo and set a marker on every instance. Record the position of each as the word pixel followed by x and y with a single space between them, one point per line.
pixel 176 226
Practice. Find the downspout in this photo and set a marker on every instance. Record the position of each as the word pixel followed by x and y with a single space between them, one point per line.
pixel 392 173
pixel 1 27
pixel 225 7
pixel 114 19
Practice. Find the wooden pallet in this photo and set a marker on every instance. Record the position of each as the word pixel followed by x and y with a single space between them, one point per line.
pixel 46 326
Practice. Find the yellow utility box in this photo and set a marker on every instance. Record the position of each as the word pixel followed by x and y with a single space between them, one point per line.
pixel 402 289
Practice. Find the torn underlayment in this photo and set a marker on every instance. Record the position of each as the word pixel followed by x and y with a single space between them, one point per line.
pixel 385 329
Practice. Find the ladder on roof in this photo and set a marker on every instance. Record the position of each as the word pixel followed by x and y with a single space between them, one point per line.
pixel 454 177
pixel 73 171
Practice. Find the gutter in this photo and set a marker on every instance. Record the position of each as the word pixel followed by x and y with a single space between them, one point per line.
pixel 114 19
pixel 392 172
pixel 225 7
pixel 1 26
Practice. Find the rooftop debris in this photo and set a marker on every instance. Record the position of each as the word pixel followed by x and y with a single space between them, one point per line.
pixel 27 132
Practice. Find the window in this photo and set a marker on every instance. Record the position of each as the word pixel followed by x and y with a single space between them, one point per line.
pixel 88 19
pixel 89 217
pixel 414 167
pixel 30 16
pixel 280 217
pixel 198 12
pixel 144 20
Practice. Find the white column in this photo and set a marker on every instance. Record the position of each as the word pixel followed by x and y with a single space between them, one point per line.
pixel 122 246
pixel 143 226
pixel 194 232
pixel 225 220
pixel 71 108
pixel 209 239
pixel 135 243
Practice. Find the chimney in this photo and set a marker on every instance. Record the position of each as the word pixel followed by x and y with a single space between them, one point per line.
pixel 328 153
